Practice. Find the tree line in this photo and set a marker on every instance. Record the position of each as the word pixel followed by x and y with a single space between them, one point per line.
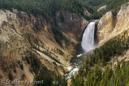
pixel 97 70
pixel 46 8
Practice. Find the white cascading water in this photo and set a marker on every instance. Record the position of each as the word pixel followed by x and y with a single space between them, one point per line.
pixel 88 37
pixel 87 44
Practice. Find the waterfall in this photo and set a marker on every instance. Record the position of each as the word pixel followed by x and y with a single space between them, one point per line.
pixel 88 37
pixel 87 45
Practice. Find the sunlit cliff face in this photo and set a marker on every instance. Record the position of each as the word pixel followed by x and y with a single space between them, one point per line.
pixel 110 25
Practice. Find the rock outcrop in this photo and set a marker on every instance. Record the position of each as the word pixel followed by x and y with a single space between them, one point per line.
pixel 71 24
pixel 110 25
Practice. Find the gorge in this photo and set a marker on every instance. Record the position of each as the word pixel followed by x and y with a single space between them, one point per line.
pixel 64 42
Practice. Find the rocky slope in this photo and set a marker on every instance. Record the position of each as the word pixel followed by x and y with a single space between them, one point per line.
pixel 110 25
pixel 22 35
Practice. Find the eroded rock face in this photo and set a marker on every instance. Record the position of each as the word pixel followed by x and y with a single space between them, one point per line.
pixel 105 26
pixel 18 33
pixel 21 34
pixel 14 30
pixel 110 26
pixel 122 23
pixel 71 24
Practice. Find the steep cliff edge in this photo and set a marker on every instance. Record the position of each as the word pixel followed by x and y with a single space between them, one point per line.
pixel 25 38
pixel 71 24
pixel 110 25
pixel 105 27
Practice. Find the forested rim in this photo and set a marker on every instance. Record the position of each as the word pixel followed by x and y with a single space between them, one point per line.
pixel 46 8
pixel 113 5
pixel 98 69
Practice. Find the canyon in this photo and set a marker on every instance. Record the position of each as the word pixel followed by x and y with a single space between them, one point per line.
pixel 24 38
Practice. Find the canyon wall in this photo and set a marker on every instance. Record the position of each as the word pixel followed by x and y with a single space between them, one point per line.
pixel 24 36
pixel 110 25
